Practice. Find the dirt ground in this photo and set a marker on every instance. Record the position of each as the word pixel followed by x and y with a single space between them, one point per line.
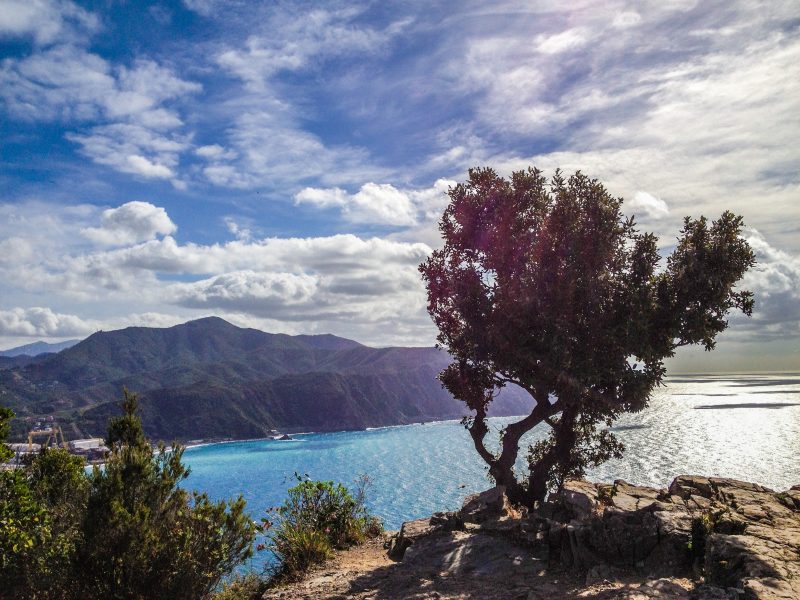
pixel 462 567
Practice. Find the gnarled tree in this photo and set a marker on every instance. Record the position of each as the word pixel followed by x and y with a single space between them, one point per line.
pixel 546 285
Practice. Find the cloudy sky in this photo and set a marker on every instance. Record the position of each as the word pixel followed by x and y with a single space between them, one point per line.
pixel 283 164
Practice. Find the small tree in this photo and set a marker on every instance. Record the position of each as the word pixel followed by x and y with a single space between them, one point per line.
pixel 41 507
pixel 146 537
pixel 547 286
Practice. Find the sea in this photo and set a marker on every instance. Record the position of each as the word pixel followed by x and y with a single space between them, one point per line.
pixel 742 426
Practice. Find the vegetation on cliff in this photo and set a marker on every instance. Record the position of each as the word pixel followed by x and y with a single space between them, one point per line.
pixel 317 518
pixel 125 531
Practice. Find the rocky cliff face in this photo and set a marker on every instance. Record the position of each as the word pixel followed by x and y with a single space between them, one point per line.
pixel 735 539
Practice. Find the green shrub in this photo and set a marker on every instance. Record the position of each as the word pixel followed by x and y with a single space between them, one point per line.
pixel 128 531
pixel 316 518
pixel 242 587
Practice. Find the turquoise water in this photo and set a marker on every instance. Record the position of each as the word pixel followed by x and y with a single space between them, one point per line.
pixel 741 426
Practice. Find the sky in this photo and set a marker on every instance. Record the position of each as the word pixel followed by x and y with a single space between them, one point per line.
pixel 284 164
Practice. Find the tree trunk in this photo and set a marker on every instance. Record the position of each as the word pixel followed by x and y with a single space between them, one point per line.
pixel 558 453
pixel 501 468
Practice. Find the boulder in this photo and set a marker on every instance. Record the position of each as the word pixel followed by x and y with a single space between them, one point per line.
pixel 488 505
pixel 581 498
pixel 685 486
pixel 410 532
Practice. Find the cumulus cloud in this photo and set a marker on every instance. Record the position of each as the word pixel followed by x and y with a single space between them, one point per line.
pixel 380 203
pixel 265 294
pixel 42 322
pixel 373 203
pixel 130 223
pixel 775 280
pixel 646 204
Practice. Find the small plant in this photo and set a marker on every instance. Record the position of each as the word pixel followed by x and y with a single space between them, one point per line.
pixel 242 587
pixel 702 526
pixel 316 518
pixel 605 493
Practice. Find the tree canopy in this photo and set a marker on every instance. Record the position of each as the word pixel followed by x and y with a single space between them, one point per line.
pixel 546 285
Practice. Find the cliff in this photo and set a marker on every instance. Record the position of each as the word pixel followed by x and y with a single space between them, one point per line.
pixel 702 538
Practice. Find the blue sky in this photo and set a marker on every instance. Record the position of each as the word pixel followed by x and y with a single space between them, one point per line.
pixel 283 164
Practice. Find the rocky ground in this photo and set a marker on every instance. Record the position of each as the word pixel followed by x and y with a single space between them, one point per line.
pixel 703 538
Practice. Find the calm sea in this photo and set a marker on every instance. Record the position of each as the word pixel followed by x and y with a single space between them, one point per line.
pixel 740 426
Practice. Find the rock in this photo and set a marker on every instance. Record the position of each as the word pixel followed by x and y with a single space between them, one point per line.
pixel 410 532
pixel 743 536
pixel 691 485
pixel 491 504
pixel 580 497
pixel 447 521
pixel 709 592
pixel 755 541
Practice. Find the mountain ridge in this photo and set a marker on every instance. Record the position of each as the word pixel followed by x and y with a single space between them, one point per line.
pixel 37 348
pixel 210 379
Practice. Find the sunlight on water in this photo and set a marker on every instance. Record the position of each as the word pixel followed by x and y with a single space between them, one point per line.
pixel 740 426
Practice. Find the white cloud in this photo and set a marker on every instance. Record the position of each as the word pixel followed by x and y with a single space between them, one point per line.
pixel 373 203
pixel 45 20
pixel 626 19
pixel 203 7
pixel 381 203
pixel 295 39
pixel 42 322
pixel 143 166
pixel 241 233
pixel 647 204
pixel 130 223
pixel 133 149
pixel 266 294
pixel 267 147
pixel 564 41
pixel 69 84
pixel 214 151
pixel 775 280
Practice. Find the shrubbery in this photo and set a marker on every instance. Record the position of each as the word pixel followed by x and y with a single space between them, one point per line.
pixel 130 531
pixel 125 531
pixel 316 518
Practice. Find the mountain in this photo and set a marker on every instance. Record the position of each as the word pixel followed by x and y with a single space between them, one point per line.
pixel 210 379
pixel 37 348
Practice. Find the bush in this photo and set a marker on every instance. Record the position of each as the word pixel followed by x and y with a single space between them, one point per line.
pixel 127 531
pixel 145 536
pixel 242 587
pixel 316 518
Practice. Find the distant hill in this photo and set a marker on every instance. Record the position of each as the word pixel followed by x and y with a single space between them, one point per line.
pixel 210 379
pixel 37 348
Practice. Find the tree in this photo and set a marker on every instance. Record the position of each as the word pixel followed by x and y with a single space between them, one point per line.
pixel 41 509
pixel 145 536
pixel 547 286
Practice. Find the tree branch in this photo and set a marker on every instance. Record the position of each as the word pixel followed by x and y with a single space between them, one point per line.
pixel 514 431
pixel 477 432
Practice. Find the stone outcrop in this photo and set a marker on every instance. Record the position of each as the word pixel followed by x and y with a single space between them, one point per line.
pixel 739 540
